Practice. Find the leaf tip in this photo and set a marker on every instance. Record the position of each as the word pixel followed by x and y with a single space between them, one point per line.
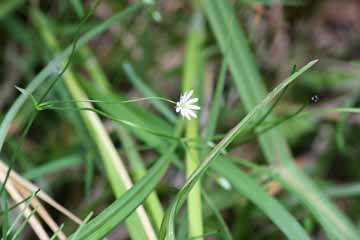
pixel 314 61
pixel 21 90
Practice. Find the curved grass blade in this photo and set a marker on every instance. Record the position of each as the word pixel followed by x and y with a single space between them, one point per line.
pixel 168 228
pixel 252 89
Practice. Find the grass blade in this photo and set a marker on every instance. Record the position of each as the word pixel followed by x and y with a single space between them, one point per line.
pixel 54 166
pixel 191 81
pixel 87 219
pixel 252 90
pixel 168 228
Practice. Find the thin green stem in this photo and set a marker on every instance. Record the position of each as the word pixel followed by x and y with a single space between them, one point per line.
pixel 52 102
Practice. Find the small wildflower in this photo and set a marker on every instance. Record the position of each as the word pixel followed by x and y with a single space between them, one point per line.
pixel 186 105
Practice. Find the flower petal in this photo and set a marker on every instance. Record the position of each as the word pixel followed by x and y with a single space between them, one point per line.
pixel 192 114
pixel 186 115
pixel 187 95
pixel 193 100
pixel 193 107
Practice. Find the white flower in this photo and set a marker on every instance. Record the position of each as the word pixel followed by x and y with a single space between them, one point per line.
pixel 186 105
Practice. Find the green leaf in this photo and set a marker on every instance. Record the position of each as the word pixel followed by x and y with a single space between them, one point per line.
pixel 191 81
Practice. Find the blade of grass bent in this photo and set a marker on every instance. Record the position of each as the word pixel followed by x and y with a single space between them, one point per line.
pixel 252 90
pixel 168 228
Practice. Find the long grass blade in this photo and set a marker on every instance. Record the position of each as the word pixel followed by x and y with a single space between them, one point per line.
pixel 251 88
pixel 168 228
pixel 191 81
